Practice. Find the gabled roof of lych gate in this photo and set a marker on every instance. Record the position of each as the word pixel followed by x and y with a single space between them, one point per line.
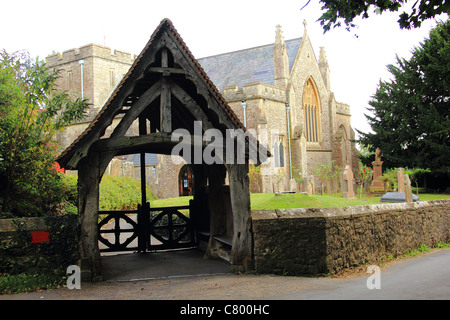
pixel 247 65
pixel 122 95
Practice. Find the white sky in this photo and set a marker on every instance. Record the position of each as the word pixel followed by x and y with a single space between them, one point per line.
pixel 213 27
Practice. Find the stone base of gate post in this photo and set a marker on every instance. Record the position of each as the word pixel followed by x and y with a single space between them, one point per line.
pixel 86 275
pixel 248 265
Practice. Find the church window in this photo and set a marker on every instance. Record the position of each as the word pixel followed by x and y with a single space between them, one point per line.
pixel 69 80
pixel 112 78
pixel 311 108
pixel 278 153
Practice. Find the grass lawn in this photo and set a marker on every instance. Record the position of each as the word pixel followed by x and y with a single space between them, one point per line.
pixel 288 201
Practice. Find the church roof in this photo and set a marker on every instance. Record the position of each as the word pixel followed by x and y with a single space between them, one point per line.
pixel 245 66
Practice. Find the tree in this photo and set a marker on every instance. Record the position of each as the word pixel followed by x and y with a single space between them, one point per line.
pixel 342 11
pixel 31 113
pixel 415 174
pixel 411 117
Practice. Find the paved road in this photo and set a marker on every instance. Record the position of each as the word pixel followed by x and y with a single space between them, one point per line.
pixel 424 277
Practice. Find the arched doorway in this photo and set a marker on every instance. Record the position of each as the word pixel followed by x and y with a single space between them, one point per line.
pixel 186 181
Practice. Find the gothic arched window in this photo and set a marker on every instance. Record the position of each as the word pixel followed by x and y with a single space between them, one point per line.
pixel 279 153
pixel 311 107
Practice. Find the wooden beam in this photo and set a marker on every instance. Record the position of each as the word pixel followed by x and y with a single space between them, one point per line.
pixel 136 109
pixel 191 105
pixel 166 106
pixel 165 71
pixel 128 145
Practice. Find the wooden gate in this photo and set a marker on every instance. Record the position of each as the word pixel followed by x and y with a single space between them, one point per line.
pixel 146 229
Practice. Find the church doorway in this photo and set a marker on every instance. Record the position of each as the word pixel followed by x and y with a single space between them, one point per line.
pixel 186 181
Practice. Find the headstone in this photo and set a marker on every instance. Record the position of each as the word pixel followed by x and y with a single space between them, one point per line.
pixel 348 191
pixel 128 168
pixel 311 184
pixel 293 186
pixel 116 167
pixel 377 185
pixel 408 190
pixel 401 179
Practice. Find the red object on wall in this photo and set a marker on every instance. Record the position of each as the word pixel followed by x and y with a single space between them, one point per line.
pixel 58 168
pixel 40 236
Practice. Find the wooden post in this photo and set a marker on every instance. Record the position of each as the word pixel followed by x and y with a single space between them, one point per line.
pixel 242 246
pixel 88 199
pixel 217 207
pixel 144 208
pixel 143 131
pixel 166 105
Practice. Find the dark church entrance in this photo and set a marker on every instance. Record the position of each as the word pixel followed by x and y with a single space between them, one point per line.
pixel 186 181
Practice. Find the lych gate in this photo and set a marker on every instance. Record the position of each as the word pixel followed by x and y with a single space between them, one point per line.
pixel 164 90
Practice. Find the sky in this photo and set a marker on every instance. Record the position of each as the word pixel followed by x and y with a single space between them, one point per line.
pixel 357 64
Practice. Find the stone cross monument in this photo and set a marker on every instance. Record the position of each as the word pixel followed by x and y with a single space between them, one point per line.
pixel 377 185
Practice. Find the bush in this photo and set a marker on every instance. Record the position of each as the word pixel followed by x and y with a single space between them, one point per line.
pixel 116 193
pixel 32 112
pixel 29 282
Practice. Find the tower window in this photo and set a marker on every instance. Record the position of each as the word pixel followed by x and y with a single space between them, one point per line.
pixel 69 80
pixel 112 78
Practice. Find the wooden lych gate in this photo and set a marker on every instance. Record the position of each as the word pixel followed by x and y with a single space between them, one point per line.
pixel 165 89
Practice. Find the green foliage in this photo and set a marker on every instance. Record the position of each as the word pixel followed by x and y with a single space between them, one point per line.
pixel 326 173
pixel 415 174
pixel 364 177
pixel 254 174
pixel 338 12
pixel 116 193
pixel 31 113
pixel 422 248
pixel 411 114
pixel 25 282
pixel 390 179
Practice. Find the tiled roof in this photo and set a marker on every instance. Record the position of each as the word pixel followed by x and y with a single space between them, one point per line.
pixel 245 66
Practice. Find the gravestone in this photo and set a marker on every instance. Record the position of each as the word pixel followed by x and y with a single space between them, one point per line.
pixel 377 185
pixel 405 196
pixel 347 176
pixel 311 184
pixel 408 190
pixel 401 179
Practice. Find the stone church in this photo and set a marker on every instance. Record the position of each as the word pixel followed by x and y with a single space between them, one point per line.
pixel 280 92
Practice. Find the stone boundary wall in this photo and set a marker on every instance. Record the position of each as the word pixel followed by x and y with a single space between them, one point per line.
pixel 40 245
pixel 324 241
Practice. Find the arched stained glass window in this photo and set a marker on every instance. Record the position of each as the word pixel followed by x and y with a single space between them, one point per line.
pixel 311 107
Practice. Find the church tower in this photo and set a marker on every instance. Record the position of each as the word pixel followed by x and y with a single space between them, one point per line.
pixel 280 60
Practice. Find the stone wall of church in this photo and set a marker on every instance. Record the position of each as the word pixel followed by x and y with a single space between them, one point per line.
pixel 266 119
